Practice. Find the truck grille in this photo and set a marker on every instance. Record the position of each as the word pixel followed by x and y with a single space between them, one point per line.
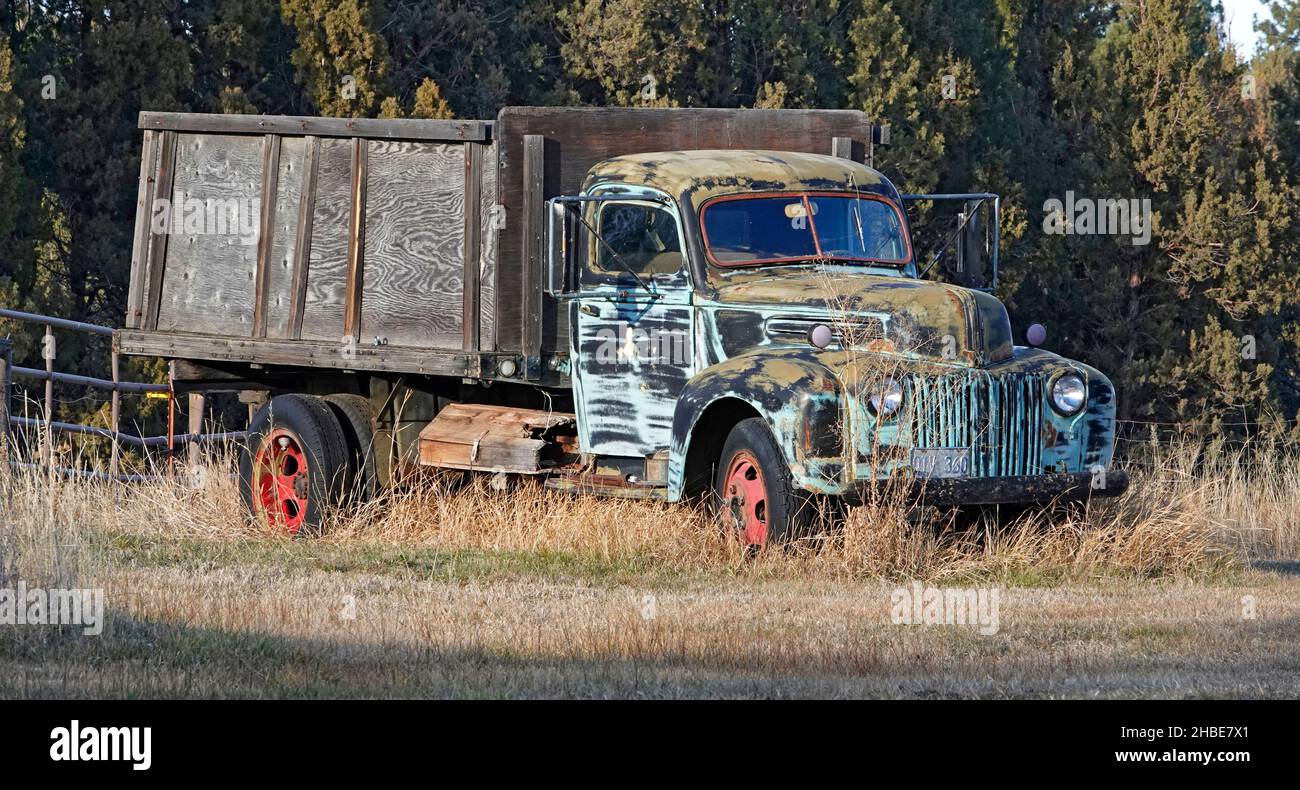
pixel 999 418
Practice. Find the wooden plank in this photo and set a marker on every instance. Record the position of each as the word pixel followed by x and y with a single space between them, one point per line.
pixel 490 438
pixel 323 306
pixel 194 424
pixel 302 241
pixel 533 223
pixel 413 244
pixel 391 129
pixel 492 216
pixel 265 228
pixel 294 353
pixel 356 241
pixel 140 238
pixel 210 270
pixel 157 253
pixel 473 246
pixel 282 263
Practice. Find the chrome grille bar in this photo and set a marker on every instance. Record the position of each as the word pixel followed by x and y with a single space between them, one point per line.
pixel 999 418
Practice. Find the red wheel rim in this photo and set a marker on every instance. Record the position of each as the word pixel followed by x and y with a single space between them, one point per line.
pixel 745 498
pixel 281 481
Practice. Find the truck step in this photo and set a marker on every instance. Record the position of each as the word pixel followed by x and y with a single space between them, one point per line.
pixel 499 439
pixel 616 486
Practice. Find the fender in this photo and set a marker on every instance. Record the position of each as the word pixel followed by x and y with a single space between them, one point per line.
pixel 798 395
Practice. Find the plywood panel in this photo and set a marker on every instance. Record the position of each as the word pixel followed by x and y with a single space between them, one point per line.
pixel 284 227
pixel 492 218
pixel 327 271
pixel 414 245
pixel 211 258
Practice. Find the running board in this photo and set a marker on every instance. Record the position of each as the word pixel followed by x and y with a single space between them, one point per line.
pixel 485 438
pixel 607 486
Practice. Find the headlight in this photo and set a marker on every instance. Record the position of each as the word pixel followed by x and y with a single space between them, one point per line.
pixel 1069 393
pixel 886 400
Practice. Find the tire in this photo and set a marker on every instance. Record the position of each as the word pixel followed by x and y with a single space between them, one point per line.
pixel 357 420
pixel 753 491
pixel 294 464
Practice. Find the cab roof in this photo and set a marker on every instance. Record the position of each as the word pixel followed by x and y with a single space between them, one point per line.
pixel 696 176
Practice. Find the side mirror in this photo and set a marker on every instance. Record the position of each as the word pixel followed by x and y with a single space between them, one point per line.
pixel 559 271
pixel 976 238
pixel 972 243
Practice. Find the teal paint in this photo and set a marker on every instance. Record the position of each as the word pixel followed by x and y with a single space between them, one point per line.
pixel 965 385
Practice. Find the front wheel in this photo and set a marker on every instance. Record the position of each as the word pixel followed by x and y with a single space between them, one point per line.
pixel 754 493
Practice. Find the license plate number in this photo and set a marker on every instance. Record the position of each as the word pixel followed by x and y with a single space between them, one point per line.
pixel 941 462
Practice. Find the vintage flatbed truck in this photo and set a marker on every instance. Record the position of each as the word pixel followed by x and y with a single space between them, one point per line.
pixel 634 302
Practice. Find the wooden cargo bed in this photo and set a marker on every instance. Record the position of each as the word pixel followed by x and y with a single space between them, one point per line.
pixel 411 246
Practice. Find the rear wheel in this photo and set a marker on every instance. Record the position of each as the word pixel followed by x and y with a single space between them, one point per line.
pixel 295 463
pixel 356 418
pixel 754 493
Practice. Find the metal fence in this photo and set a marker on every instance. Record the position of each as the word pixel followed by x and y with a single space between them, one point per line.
pixel 48 425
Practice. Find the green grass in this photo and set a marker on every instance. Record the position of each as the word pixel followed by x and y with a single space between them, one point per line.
pixel 406 563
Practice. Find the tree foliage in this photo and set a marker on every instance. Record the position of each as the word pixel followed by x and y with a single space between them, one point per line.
pixel 1132 99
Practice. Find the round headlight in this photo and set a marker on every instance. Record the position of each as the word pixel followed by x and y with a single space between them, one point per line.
pixel 886 400
pixel 1069 393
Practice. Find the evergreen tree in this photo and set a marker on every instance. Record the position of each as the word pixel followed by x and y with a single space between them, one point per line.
pixel 340 60
pixel 1133 99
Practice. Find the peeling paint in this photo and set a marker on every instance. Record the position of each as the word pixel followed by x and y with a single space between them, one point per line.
pixel 966 385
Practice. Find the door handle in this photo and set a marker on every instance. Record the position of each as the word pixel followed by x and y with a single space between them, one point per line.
pixel 589 310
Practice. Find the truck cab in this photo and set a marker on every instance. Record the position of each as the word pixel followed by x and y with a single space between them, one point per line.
pixel 759 315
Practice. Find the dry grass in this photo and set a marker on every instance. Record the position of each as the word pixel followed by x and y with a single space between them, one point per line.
pixel 471 592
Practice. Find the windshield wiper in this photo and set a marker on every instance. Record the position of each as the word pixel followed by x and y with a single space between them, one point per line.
pixel 618 258
pixel 857 211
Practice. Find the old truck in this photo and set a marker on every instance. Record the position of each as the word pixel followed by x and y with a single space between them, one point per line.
pixel 676 304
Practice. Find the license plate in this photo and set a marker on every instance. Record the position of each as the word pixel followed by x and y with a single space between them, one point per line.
pixel 941 462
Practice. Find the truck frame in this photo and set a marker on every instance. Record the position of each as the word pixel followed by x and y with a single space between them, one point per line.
pixel 539 295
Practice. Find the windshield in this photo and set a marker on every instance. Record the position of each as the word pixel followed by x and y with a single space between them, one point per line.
pixel 748 231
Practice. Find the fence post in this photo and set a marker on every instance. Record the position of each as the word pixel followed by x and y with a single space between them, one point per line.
pixel 195 416
pixel 114 462
pixel 7 362
pixel 171 416
pixel 48 351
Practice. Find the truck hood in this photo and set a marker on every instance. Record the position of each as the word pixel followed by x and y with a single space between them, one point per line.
pixel 918 317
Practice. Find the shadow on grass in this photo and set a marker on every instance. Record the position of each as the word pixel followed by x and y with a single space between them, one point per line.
pixel 1280 567
pixel 144 658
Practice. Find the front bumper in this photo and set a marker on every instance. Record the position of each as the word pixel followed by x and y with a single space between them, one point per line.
pixel 1019 489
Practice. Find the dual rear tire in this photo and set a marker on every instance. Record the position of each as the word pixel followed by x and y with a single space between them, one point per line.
pixel 304 455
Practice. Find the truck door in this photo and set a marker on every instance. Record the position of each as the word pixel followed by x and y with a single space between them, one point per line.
pixel 632 348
